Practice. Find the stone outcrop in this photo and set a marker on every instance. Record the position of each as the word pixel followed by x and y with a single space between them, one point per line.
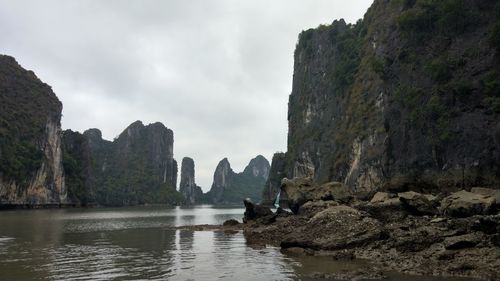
pixel 31 171
pixel 466 204
pixel 231 187
pixel 273 184
pixel 302 190
pixel 187 187
pixel 402 232
pixel 374 108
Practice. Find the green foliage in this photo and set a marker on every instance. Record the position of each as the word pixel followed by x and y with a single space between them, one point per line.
pixel 495 37
pixel 448 17
pixel 378 65
pixel 493 103
pixel 349 45
pixel 440 69
pixel 26 104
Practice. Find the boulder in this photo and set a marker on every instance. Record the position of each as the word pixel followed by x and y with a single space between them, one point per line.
pixel 255 211
pixel 302 190
pixel 313 207
pixel 466 204
pixel 417 204
pixel 463 241
pixel 381 197
pixel 495 193
pixel 391 209
pixel 231 222
pixel 336 228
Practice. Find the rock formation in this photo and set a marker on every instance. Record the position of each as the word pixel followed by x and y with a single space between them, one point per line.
pixel 187 187
pixel 273 183
pixel 230 187
pixel 136 168
pixel 31 171
pixel 374 107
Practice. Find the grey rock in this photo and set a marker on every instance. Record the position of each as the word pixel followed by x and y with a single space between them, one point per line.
pixel 465 204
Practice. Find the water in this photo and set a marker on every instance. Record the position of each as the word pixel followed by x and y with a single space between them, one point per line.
pixel 141 243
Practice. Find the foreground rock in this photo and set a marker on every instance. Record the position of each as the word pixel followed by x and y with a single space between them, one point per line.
pixel 302 190
pixel 255 211
pixel 404 232
pixel 466 204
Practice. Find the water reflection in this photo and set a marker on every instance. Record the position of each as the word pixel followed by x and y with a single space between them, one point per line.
pixel 140 244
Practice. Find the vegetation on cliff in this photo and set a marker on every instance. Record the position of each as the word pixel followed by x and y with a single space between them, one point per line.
pixel 407 97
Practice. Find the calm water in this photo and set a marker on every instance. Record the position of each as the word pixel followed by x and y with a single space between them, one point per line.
pixel 141 243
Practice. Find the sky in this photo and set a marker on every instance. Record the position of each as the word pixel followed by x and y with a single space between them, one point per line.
pixel 216 72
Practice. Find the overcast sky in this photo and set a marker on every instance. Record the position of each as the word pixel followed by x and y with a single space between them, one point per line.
pixel 216 72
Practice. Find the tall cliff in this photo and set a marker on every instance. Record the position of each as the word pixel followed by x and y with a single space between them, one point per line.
pixel 187 187
pixel 31 171
pixel 273 183
pixel 136 168
pixel 408 97
pixel 231 187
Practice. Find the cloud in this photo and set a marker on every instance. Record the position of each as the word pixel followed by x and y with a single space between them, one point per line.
pixel 217 72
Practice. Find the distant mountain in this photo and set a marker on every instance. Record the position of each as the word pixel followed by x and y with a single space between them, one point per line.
pixel 136 168
pixel 31 171
pixel 231 187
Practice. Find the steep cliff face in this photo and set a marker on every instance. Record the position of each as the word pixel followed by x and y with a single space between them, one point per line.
pixel 136 168
pixel 187 187
pixel 273 183
pixel 230 187
pixel 31 171
pixel 406 98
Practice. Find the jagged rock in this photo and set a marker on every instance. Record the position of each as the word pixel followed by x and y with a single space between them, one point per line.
pixel 230 187
pixel 302 190
pixel 495 193
pixel 255 211
pixel 381 197
pixel 231 222
pixel 273 183
pixel 311 208
pixel 350 227
pixel 417 203
pixel 465 204
pixel 462 241
pixel 187 187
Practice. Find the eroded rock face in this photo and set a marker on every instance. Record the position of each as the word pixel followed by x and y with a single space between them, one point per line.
pixel 355 114
pixel 302 190
pixel 273 183
pixel 466 204
pixel 31 171
pixel 187 186
pixel 255 211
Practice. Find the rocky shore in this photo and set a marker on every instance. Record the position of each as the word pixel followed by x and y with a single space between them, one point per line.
pixel 455 234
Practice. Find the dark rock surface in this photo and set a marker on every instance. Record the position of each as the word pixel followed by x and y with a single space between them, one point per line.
pixel 255 211
pixel 374 107
pixel 187 187
pixel 273 184
pixel 395 237
pixel 302 190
